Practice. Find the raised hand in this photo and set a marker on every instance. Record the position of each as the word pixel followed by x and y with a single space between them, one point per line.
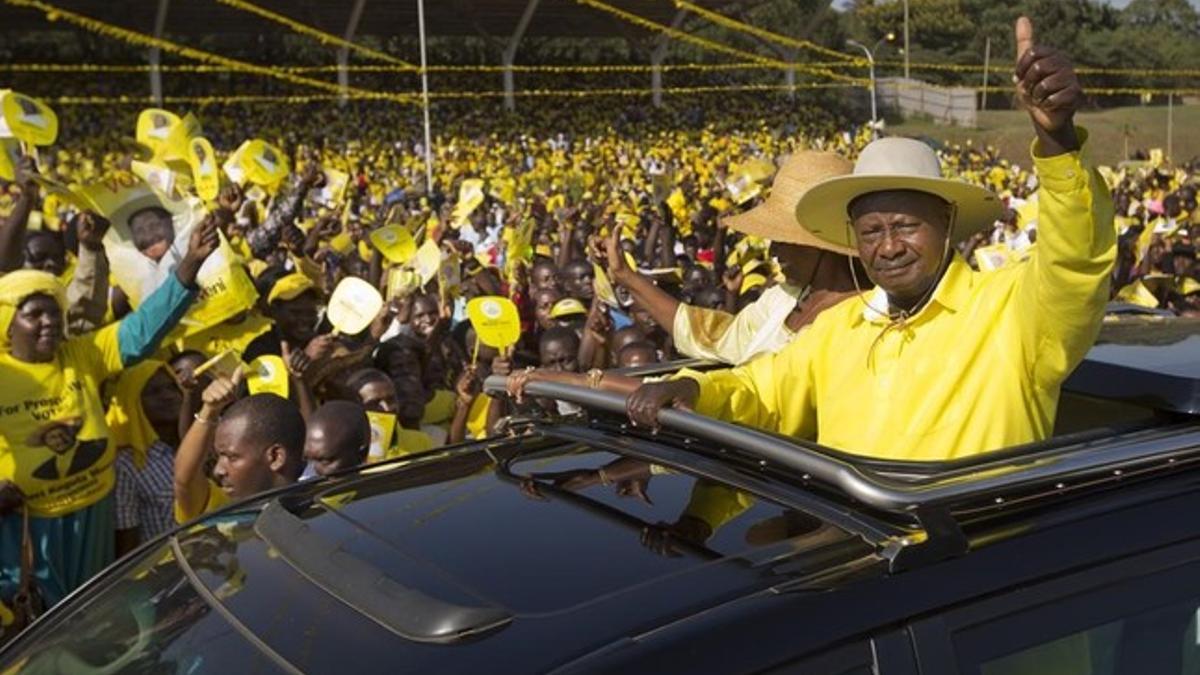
pixel 1048 88
pixel 90 228
pixel 644 404
pixel 221 393
pixel 26 170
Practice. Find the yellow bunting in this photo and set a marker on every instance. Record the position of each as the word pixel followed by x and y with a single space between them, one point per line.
pixel 784 40
pixel 26 119
pixel 353 306
pixel 677 34
pixel 321 36
pixel 495 320
pixel 56 13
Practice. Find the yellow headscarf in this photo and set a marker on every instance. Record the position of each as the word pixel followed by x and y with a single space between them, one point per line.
pixel 15 287
pixel 126 419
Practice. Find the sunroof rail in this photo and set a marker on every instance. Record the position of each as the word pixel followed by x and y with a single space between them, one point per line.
pixel 870 487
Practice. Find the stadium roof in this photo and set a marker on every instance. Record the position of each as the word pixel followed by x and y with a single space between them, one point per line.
pixel 497 18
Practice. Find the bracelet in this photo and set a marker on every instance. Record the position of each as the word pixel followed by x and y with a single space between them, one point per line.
pixel 604 479
pixel 594 376
pixel 204 420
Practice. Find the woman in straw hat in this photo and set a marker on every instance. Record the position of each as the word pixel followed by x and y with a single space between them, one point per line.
pixel 818 275
pixel 939 362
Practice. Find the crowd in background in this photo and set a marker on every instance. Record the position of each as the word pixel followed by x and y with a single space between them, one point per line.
pixel 569 191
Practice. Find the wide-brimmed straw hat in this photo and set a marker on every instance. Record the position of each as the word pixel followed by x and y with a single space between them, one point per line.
pixel 777 218
pixel 895 164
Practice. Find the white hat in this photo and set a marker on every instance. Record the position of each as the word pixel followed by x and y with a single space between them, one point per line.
pixel 894 164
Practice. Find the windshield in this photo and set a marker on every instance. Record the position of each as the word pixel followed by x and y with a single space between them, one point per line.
pixel 151 619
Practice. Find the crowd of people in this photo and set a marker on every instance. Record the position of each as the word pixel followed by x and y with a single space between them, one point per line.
pixel 164 354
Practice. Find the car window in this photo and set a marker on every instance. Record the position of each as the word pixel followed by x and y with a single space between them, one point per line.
pixel 1145 625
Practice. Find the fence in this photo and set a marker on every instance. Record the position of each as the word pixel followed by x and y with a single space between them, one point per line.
pixel 946 105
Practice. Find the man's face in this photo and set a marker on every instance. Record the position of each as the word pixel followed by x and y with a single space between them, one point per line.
pixel 410 402
pixel 798 263
pixel 544 302
pixel 297 318
pixel 558 355
pixel 60 439
pixel 643 320
pixel 424 317
pixel 901 238
pixel 321 451
pixel 44 253
pixel 379 396
pixel 544 277
pixel 241 470
pixel 161 399
pixel 578 281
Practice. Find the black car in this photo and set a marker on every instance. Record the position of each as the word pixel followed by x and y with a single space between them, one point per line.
pixel 579 544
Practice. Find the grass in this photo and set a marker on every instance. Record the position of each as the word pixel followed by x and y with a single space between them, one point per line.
pixel 1010 131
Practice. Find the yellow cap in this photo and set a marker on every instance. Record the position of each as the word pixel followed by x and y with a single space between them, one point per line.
pixel 289 287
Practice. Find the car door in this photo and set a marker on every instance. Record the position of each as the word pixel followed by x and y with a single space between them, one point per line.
pixel 1133 616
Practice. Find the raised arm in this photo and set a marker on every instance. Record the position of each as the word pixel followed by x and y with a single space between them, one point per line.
pixel 191 484
pixel 1066 286
pixel 87 294
pixel 661 305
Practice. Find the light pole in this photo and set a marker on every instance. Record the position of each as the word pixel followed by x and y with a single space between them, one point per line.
pixel 871 74
pixel 906 50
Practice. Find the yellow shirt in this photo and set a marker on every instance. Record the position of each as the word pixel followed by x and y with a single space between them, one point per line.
pixel 760 328
pixel 54 442
pixel 439 409
pixel 215 499
pixel 409 442
pixel 978 368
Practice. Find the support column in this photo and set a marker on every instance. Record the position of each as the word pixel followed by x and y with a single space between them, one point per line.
pixel 155 57
pixel 657 57
pixel 343 57
pixel 510 52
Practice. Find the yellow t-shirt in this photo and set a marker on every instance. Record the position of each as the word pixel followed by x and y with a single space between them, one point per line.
pixel 215 499
pixel 440 409
pixel 409 442
pixel 54 442
pixel 478 417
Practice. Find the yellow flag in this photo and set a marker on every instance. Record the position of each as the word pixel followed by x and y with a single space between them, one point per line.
pixel 495 320
pixel 603 287
pixel 27 119
pixel 383 429
pixel 267 374
pixel 427 261
pixel 204 168
pixel 154 127
pixel 470 196
pixel 353 306
pixel 395 243
pixel 1137 294
pixel 10 154
pixel 225 291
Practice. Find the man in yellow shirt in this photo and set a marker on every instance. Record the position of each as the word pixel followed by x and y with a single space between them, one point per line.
pixel 939 362
pixel 258 441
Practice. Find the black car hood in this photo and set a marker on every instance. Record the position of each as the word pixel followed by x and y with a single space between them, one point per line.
pixel 572 569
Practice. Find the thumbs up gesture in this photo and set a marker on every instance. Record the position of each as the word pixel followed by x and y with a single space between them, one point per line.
pixel 1049 89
